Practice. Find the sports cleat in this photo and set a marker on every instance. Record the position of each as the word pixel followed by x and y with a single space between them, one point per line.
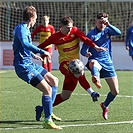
pixel 96 81
pixel 50 125
pixel 38 110
pixel 54 117
pixel 95 96
pixel 40 113
pixel 105 111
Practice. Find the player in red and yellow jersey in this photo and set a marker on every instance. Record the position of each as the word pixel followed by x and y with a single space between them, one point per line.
pixel 67 42
pixel 45 30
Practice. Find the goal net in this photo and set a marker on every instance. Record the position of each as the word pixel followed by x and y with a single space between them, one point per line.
pixel 83 14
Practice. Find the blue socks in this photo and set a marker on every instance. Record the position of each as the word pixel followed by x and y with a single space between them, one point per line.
pixel 47 102
pixel 95 71
pixel 109 99
pixel 54 92
pixel 47 106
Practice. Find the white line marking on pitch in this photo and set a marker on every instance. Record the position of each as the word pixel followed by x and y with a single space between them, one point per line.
pixel 76 94
pixel 77 125
pixel 104 95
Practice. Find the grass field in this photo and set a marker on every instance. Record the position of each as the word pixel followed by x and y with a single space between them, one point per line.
pixel 79 114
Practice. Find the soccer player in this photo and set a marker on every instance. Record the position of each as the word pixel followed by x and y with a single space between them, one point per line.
pixel 129 41
pixel 31 73
pixel 67 42
pixel 100 63
pixel 45 30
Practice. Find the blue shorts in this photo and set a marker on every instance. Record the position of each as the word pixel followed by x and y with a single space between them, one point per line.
pixel 30 72
pixel 107 74
pixel 104 73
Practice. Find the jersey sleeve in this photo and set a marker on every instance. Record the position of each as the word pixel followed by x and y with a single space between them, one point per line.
pixel 84 38
pixel 46 42
pixel 113 30
pixel 27 42
pixel 84 49
pixel 127 37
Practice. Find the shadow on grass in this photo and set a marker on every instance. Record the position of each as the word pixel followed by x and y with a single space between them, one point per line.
pixel 21 122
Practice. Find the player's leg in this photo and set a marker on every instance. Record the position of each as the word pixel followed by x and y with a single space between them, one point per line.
pixel 49 62
pixel 85 84
pixel 53 82
pixel 95 67
pixel 43 81
pixel 113 85
pixel 47 104
pixel 68 87
pixel 69 84
pixel 44 63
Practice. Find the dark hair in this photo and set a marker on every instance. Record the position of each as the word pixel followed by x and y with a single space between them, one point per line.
pixel 100 15
pixel 66 20
pixel 28 12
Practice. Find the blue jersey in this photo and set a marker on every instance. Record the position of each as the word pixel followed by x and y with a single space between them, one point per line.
pixel 129 40
pixel 102 39
pixel 23 52
pixel 22 45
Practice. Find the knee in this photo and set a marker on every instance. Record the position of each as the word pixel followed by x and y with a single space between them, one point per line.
pixel 55 81
pixel 115 92
pixel 47 91
pixel 65 96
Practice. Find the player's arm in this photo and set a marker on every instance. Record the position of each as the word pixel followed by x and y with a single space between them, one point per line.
pixel 84 51
pixel 27 43
pixel 88 41
pixel 127 39
pixel 113 30
pixel 83 38
pixel 53 31
pixel 47 42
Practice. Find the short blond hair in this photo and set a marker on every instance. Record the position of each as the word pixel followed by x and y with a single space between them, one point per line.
pixel 46 17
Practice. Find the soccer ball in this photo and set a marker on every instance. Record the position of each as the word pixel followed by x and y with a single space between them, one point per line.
pixel 76 66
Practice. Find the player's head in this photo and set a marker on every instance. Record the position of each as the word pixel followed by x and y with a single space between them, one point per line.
pixel 66 24
pixel 100 21
pixel 29 15
pixel 46 20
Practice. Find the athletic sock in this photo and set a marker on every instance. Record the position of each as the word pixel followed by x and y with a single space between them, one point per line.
pixel 90 91
pixel 47 106
pixel 95 71
pixel 109 99
pixel 45 66
pixel 84 83
pixel 49 66
pixel 54 92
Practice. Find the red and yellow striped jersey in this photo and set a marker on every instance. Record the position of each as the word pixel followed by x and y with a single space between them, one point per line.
pixel 45 33
pixel 67 45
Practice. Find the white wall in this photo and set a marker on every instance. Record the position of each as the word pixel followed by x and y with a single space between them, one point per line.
pixel 121 59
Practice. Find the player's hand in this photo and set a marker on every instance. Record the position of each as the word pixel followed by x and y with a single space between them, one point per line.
pixel 88 54
pixel 127 47
pixel 95 96
pixel 37 57
pixel 105 21
pixel 47 54
pixel 100 48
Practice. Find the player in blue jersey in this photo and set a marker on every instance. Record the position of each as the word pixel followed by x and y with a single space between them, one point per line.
pixel 100 63
pixel 32 73
pixel 129 41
